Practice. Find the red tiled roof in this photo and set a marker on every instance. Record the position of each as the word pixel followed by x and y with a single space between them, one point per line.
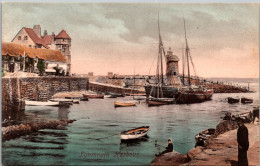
pixel 63 35
pixel 33 35
pixel 47 40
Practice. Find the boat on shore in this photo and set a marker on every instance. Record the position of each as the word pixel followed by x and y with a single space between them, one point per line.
pixel 93 96
pixel 134 133
pixel 110 96
pixel 245 100
pixel 203 136
pixel 232 100
pixel 41 103
pixel 124 104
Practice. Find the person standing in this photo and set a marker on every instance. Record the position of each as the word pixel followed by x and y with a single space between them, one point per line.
pixel 243 143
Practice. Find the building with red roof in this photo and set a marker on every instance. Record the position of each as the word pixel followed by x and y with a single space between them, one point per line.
pixel 32 38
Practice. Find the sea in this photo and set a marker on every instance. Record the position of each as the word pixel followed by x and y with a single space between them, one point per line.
pixel 94 138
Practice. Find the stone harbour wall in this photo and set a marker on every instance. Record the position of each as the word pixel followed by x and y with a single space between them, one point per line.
pixel 15 90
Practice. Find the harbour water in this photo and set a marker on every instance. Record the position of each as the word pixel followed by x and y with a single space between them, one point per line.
pixel 94 138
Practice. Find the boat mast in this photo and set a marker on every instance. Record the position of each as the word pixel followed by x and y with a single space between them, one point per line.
pixel 183 64
pixel 160 49
pixel 187 52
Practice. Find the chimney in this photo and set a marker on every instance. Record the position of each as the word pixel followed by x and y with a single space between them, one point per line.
pixel 45 33
pixel 37 30
pixel 53 36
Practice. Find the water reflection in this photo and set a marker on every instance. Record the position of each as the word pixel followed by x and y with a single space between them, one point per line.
pixel 63 113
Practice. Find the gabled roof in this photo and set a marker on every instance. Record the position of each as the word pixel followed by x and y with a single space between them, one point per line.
pixel 62 35
pixel 13 49
pixel 33 36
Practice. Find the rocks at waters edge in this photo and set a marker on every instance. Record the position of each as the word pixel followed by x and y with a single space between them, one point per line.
pixel 12 132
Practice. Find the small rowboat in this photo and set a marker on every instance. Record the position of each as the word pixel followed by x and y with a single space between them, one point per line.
pixel 246 100
pixel 233 100
pixel 124 104
pixel 159 101
pixel 134 133
pixel 93 96
pixel 203 136
pixel 41 103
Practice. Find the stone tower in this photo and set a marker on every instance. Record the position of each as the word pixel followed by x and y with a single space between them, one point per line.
pixel 63 43
pixel 172 69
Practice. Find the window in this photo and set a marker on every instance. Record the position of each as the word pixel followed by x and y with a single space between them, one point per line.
pixel 25 37
pixel 19 37
pixel 30 45
pixel 174 73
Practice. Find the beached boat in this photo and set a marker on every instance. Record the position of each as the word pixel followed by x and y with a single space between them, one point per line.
pixel 203 136
pixel 41 103
pixel 134 133
pixel 110 96
pixel 76 101
pixel 93 96
pixel 61 100
pixel 246 100
pixel 124 104
pixel 233 100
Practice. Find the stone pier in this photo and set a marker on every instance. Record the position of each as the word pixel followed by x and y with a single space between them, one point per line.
pixel 16 90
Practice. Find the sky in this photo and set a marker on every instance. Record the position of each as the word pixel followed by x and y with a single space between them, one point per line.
pixel 123 37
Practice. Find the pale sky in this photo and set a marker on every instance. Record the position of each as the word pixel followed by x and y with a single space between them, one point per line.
pixel 123 37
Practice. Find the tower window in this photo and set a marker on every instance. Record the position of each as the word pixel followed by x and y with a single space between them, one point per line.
pixel 19 37
pixel 25 37
pixel 174 73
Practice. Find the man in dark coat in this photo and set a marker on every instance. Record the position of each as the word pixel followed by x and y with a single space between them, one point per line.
pixel 243 143
pixel 168 149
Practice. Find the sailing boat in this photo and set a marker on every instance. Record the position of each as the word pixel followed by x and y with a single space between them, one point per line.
pixel 159 89
pixel 192 94
pixel 156 91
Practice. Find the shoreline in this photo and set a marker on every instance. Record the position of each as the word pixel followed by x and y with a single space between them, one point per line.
pixel 221 149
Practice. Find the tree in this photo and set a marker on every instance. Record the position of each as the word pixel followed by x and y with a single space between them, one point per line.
pixel 3 72
pixel 41 67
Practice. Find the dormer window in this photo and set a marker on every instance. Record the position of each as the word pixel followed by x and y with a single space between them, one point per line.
pixel 19 37
pixel 25 37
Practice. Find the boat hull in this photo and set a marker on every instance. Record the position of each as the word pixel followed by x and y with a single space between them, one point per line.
pixel 93 96
pixel 134 133
pixel 203 136
pixel 164 91
pixel 186 97
pixel 41 103
pixel 120 104
pixel 246 100
pixel 158 101
pixel 233 100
